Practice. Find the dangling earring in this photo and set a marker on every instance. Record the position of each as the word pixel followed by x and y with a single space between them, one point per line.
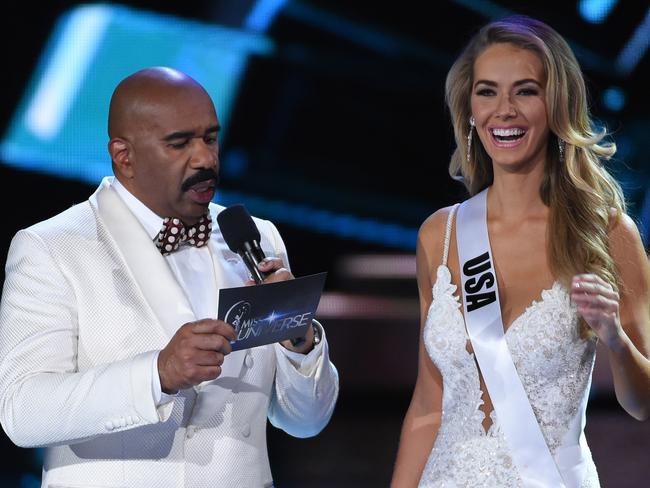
pixel 560 146
pixel 472 123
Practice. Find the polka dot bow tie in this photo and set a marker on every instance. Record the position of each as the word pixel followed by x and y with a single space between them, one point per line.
pixel 175 233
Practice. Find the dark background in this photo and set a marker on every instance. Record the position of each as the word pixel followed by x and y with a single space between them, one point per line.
pixel 349 116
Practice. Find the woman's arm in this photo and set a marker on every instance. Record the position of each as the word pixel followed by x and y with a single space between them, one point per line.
pixel 622 320
pixel 423 415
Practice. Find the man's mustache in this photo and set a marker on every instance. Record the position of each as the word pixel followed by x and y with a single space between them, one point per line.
pixel 199 176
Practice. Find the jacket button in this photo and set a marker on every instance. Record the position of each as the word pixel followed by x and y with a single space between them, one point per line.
pixel 109 425
pixel 246 430
pixel 248 361
pixel 189 432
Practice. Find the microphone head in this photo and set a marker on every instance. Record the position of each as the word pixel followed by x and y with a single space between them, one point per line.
pixel 237 227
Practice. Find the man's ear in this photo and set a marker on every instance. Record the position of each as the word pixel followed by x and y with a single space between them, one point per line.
pixel 120 151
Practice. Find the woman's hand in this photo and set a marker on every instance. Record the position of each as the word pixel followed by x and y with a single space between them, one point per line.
pixel 598 304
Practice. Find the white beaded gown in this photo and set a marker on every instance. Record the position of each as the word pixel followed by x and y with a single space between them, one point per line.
pixel 555 366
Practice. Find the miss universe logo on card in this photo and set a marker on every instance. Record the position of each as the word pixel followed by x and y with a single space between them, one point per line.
pixel 240 316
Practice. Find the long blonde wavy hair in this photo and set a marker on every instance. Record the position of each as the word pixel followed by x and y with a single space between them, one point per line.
pixel 579 191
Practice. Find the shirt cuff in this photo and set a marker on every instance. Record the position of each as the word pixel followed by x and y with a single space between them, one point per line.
pixel 160 398
pixel 306 364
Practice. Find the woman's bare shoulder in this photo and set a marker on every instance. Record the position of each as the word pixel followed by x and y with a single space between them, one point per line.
pixel 431 236
pixel 435 223
pixel 627 247
pixel 624 234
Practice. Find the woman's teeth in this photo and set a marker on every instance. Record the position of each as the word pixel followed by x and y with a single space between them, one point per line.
pixel 507 135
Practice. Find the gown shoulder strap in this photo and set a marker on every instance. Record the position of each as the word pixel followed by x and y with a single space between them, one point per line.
pixel 450 221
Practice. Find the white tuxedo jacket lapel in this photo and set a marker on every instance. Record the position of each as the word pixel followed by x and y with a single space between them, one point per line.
pixel 156 281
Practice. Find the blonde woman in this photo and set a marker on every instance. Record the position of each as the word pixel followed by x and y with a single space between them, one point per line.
pixel 519 283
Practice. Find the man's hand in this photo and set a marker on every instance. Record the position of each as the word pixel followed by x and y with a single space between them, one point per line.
pixel 195 354
pixel 275 269
pixel 302 347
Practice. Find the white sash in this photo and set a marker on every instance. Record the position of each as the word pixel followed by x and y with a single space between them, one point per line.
pixel 485 329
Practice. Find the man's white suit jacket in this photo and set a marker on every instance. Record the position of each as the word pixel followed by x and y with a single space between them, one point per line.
pixel 87 302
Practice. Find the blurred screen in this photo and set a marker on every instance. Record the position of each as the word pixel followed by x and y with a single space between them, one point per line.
pixel 60 125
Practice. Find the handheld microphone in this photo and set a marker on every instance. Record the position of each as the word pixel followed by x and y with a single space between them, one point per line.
pixel 243 237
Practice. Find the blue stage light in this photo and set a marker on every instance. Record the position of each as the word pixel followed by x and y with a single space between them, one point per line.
pixel 635 48
pixel 596 11
pixel 614 98
pixel 263 14
pixel 345 226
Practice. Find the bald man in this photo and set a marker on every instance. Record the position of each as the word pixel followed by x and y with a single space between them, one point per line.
pixel 110 354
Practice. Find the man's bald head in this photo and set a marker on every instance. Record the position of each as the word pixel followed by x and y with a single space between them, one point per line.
pixel 163 143
pixel 137 94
